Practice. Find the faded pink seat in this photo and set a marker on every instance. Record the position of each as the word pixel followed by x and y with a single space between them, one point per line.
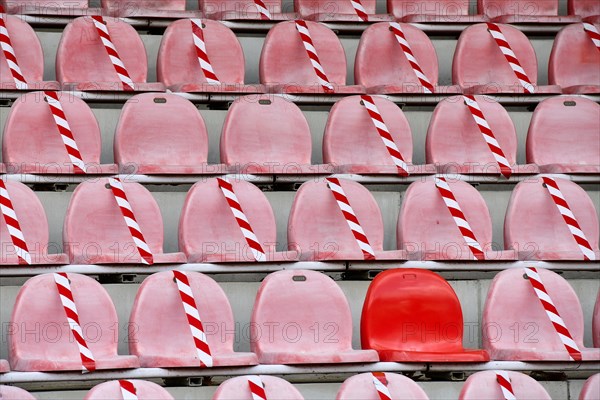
pixel 49 7
pixel 14 393
pixel 95 232
pixel 534 227
pixel 82 62
pixel 32 143
pixel 479 66
pixel 161 332
pixel 38 304
pixel 549 143
pixel 286 68
pixel 427 231
pixel 574 61
pixel 596 322
pixel 275 388
pixel 588 9
pixel 4 366
pixel 112 390
pixel 591 388
pixel 34 225
pixel 290 303
pixel 209 232
pixel 243 9
pixel 538 340
pixel 337 10
pixel 148 8
pixel 318 230
pixel 444 11
pixel 455 143
pixel 361 387
pixel 178 67
pixel 483 385
pixel 524 12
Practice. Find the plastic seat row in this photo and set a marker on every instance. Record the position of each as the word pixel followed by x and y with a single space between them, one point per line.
pixel 479 65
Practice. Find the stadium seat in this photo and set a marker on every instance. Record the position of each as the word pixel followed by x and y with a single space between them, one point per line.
pixel 426 11
pixel 361 387
pixel 48 7
pixel 337 10
pixel 4 366
pixel 537 337
pixel 318 230
pixel 82 62
pixel 323 305
pixel 589 10
pixel 14 393
pixel 479 66
pixel 221 240
pixel 95 232
pixel 285 66
pixel 591 388
pixel 178 67
pixel 225 10
pixel 33 144
pixel 160 331
pixel 484 385
pixel 34 226
pixel 148 8
pixel 275 388
pixel 574 61
pixel 549 143
pixel 427 230
pixel 414 315
pixel 534 227
pixel 38 304
pixel 144 390
pixel 524 12
pixel 596 323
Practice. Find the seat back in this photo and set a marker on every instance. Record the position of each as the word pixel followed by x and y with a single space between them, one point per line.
pixel 328 7
pixel 583 8
pixel 14 393
pixel 27 49
pixel 238 6
pixel 483 385
pixel 596 323
pixel 361 387
pixel 532 8
pixel 275 388
pixel 172 5
pixel 574 58
pixel 144 390
pixel 401 8
pixel 591 388
pixel 13 6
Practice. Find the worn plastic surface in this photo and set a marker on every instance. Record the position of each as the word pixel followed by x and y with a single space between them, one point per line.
pixel 275 388
pixel 483 385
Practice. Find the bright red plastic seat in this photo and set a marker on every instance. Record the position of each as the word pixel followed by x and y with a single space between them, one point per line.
pixel 82 62
pixel 444 11
pixel 275 388
pixel 4 366
pixel 148 8
pixel 14 393
pixel 337 10
pixel 574 61
pixel 361 387
pixel 483 385
pixel 524 11
pixel 95 232
pixel 112 390
pixel 512 302
pixel 596 323
pixel 591 388
pixel 534 227
pixel 323 307
pixel 414 315
pixel 38 304
pixel 224 10
pixel 588 9
pixel 549 143
pixel 221 239
pixel 160 331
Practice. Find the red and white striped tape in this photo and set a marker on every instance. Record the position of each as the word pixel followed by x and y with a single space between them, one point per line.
pixel 134 229
pixel 344 204
pixel 360 10
pixel 593 33
pixel 385 135
pixel 262 9
pixel 11 57
pixel 128 390
pixel 200 44
pixel 412 60
pixel 257 387
pixel 312 55
pixel 63 285
pixel 380 382
pixel 459 218
pixel 111 50
pixel 505 385
pixel 511 57
pixel 488 135
pixel 193 317
pixel 569 218
pixel 13 226
pixel 241 219
pixel 552 313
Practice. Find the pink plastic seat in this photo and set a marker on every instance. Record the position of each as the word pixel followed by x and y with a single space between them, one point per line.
pixel 48 7
pixel 148 8
pixel 224 10
pixel 4 366
pixel 427 230
pixel 285 66
pixel 588 9
pixel 537 340
pixel 209 232
pixel 548 141
pixel 323 305
pixel 38 304
pixel 32 143
pixel 34 226
pixel 112 390
pixel 596 323
pixel 484 385
pixel 14 393
pixel 574 61
pixel 591 388
pixel 275 388
pixel 160 331
pixel 414 315
pixel 319 231
pixel 534 227
pixel 337 10
pixel 524 11
pixel 95 232
pixel 361 387
pixel 82 62
pixel 444 11
pixel 479 66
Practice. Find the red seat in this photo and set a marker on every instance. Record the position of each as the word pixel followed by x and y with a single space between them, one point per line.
pixel 14 393
pixel 48 7
pixel 591 388
pixel 444 11
pixel 319 231
pixel 112 390
pixel 148 8
pixel 596 322
pixel 32 143
pixel 96 233
pixel 534 227
pixel 483 385
pixel 243 9
pixel 4 366
pixel 82 62
pixel 588 9
pixel 361 387
pixel 413 315
pixel 38 304
pixel 337 10
pixel 537 338
pixel 548 141
pixel 275 388
pixel 160 331
pixel 524 11
pixel 574 61
pixel 34 226
pixel 285 66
